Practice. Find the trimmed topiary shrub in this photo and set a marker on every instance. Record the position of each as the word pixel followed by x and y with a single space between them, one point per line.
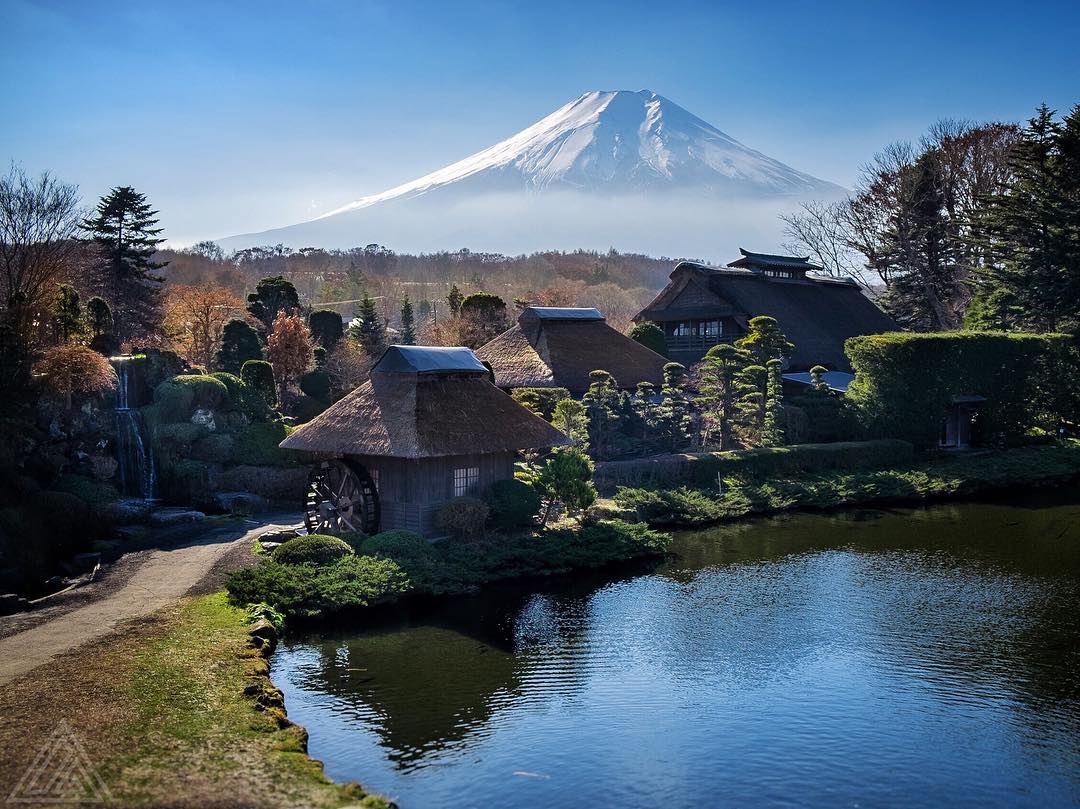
pixel 244 398
pixel 513 504
pixel 316 384
pixel 213 448
pixel 463 517
pixel 396 544
pixel 315 549
pixel 259 375
pixel 179 397
pixel 95 493
pixel 257 445
pixel 904 383
pixel 651 336
pixel 541 401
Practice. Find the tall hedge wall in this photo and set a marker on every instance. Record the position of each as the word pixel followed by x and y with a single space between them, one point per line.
pixel 904 383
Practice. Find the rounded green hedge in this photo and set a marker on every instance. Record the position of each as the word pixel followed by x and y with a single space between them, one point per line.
pixel 178 397
pixel 396 544
pixel 244 398
pixel 513 504
pixel 315 549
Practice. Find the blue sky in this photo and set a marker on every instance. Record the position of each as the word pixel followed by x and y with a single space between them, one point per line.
pixel 246 115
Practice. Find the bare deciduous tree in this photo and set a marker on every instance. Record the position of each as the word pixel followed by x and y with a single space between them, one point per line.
pixel 39 220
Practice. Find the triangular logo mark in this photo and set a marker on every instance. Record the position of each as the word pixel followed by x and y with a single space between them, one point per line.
pixel 60 773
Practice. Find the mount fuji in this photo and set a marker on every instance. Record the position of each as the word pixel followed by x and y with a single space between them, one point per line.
pixel 611 168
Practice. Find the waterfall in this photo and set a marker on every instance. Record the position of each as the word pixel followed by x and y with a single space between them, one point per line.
pixel 133 453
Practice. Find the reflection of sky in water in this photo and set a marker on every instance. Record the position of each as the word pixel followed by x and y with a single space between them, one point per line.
pixel 904 658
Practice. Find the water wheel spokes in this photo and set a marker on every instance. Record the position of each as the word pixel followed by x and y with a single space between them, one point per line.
pixel 341 497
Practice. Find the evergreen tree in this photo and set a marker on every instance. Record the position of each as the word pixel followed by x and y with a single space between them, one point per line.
pixel 719 390
pixel 67 316
pixel 765 341
pixel 752 401
pixel 408 324
pixel 772 433
pixel 651 336
pixel 423 311
pixel 326 327
pixel 646 413
pixel 239 344
pixel 602 409
pixel 272 296
pixel 566 478
pixel 454 300
pixel 673 413
pixel 569 417
pixel 369 332
pixel 124 227
pixel 1030 282
pixel 98 317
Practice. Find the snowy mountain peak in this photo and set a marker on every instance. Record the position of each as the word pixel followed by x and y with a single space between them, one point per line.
pixel 614 141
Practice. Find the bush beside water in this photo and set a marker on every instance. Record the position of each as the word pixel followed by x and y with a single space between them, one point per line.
pixel 945 477
pixel 394 563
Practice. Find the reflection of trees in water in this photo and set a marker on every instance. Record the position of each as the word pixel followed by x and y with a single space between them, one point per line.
pixel 436 679
pixel 977 601
pixel 972 602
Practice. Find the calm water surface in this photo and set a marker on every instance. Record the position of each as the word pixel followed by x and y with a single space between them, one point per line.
pixel 916 657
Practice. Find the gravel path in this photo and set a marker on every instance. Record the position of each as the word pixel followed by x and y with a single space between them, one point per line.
pixel 136 585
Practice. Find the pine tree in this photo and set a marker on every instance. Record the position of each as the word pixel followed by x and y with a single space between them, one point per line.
pixel 569 417
pixel 719 389
pixel 369 332
pixel 646 413
pixel 326 327
pixel 454 301
pixel 751 402
pixel 1027 227
pixel 772 432
pixel 239 344
pixel 408 324
pixel 99 317
pixel 124 227
pixel 765 341
pixel 272 296
pixel 673 412
pixel 602 409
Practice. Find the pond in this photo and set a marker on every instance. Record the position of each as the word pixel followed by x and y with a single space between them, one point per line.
pixel 909 657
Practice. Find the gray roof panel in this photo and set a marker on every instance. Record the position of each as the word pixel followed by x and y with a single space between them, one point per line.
pixel 564 313
pixel 428 360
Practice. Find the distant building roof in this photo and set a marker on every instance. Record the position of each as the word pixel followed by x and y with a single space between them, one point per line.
pixel 817 314
pixel 836 380
pixel 751 260
pixel 564 313
pixel 560 352
pixel 428 360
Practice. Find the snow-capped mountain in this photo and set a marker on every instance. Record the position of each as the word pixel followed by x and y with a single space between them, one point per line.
pixel 612 144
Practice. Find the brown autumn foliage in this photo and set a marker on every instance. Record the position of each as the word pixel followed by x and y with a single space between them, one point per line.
pixel 289 349
pixel 195 317
pixel 71 369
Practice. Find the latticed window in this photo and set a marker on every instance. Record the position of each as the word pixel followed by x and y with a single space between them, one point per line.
pixel 374 478
pixel 466 480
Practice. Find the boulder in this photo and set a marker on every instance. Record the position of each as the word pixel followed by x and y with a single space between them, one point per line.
pixel 175 516
pixel 204 417
pixel 240 502
pixel 279 535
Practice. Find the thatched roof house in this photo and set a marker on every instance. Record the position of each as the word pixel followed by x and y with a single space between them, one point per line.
pixel 428 427
pixel 558 347
pixel 703 306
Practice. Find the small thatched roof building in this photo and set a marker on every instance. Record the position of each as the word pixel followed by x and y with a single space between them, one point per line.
pixel 558 347
pixel 427 428
pixel 703 306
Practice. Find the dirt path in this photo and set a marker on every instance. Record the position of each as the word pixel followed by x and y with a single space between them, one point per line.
pixel 134 588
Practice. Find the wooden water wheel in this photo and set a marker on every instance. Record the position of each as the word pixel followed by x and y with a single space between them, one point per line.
pixel 341 497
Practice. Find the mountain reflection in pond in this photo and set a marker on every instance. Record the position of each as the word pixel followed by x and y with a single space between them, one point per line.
pixel 916 657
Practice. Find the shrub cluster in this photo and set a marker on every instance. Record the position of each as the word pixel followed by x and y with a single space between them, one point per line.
pixel 393 563
pixel 541 401
pixel 463 517
pixel 904 383
pixel 513 504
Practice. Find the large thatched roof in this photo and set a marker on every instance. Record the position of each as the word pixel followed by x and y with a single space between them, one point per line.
pixel 559 347
pixel 817 314
pixel 424 403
